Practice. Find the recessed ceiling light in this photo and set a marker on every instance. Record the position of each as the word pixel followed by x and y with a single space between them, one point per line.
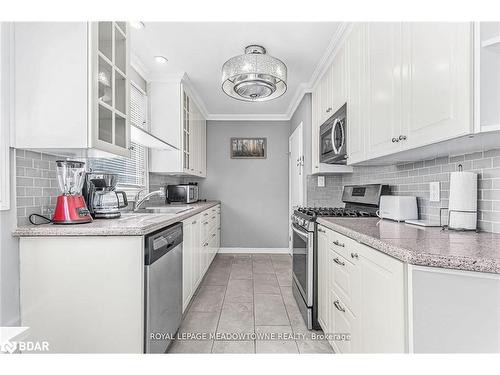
pixel 138 25
pixel 161 59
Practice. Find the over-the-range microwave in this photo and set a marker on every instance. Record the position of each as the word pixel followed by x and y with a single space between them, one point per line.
pixel 332 138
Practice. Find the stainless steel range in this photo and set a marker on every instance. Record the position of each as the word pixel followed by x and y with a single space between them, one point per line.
pixel 360 201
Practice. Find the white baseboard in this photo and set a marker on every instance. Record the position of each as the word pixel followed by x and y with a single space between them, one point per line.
pixel 254 250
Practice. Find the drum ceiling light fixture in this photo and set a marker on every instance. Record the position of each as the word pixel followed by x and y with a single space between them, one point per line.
pixel 254 76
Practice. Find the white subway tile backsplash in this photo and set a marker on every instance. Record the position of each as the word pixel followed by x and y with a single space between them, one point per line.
pixel 414 179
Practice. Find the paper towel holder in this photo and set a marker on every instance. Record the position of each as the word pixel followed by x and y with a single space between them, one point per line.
pixel 444 227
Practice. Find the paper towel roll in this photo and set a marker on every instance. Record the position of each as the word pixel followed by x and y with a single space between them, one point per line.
pixel 463 197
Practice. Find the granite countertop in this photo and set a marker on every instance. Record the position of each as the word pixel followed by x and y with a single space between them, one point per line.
pixel 129 224
pixel 425 246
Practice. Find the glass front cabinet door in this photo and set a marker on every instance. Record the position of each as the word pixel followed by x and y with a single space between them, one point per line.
pixel 109 87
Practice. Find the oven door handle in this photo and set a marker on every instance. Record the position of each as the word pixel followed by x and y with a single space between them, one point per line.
pixel 301 233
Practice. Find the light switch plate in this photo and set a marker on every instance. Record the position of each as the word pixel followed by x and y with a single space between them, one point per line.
pixel 434 191
pixel 321 181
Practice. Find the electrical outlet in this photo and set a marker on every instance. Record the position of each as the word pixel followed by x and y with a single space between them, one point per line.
pixel 321 181
pixel 434 191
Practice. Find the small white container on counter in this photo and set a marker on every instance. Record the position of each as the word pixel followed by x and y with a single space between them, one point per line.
pixel 398 207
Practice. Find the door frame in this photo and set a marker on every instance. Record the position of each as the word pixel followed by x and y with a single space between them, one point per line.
pixel 298 132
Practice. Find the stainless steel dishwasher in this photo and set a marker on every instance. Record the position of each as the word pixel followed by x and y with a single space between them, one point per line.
pixel 163 284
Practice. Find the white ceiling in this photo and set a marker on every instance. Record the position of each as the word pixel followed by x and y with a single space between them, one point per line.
pixel 200 48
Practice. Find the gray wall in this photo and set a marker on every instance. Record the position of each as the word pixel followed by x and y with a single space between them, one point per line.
pixel 254 193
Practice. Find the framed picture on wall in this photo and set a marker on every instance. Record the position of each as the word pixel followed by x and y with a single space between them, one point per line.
pixel 248 148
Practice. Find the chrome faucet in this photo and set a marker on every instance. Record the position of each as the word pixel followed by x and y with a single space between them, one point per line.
pixel 138 202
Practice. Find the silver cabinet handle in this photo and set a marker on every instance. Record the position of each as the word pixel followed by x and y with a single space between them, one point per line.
pixel 213 235
pixel 394 140
pixel 329 109
pixel 338 243
pixel 338 261
pixel 205 214
pixel 205 223
pixel 338 306
pixel 402 137
pixel 205 244
pixel 354 255
pixel 213 217
pixel 194 222
pixel 321 230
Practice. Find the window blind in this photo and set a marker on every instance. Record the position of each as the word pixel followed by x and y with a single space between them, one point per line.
pixel 131 171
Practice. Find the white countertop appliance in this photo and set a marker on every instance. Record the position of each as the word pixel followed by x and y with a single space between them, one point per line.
pixel 398 207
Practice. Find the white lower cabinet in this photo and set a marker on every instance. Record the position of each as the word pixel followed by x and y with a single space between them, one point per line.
pixel 322 275
pixel 201 244
pixel 361 293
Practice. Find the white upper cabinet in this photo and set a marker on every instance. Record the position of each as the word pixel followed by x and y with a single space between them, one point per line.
pixel 409 85
pixel 356 93
pixel 438 81
pixel 72 87
pixel 383 104
pixel 487 76
pixel 328 96
pixel 5 94
pixel 176 118
pixel 338 81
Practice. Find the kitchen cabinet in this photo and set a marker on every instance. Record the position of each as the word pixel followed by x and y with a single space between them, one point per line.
pixel 5 94
pixel 356 93
pixel 176 118
pixel 486 76
pixel 72 87
pixel 323 283
pixel 361 292
pixel 201 244
pixel 437 88
pixel 383 92
pixel 409 86
pixel 328 96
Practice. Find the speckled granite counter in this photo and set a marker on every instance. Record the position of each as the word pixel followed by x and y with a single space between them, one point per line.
pixel 130 224
pixel 416 245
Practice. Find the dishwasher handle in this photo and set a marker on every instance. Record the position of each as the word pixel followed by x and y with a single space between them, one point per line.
pixel 161 242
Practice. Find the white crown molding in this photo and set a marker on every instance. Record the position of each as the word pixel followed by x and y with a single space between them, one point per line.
pixel 299 94
pixel 247 117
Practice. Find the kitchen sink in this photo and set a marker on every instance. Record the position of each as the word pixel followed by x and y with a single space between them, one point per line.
pixel 164 210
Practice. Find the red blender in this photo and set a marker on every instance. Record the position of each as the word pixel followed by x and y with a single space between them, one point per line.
pixel 70 206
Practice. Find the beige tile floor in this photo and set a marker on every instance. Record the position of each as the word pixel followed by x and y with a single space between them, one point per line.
pixel 243 294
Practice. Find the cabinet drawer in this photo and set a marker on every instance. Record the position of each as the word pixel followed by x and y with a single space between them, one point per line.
pixel 344 323
pixel 342 245
pixel 344 279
